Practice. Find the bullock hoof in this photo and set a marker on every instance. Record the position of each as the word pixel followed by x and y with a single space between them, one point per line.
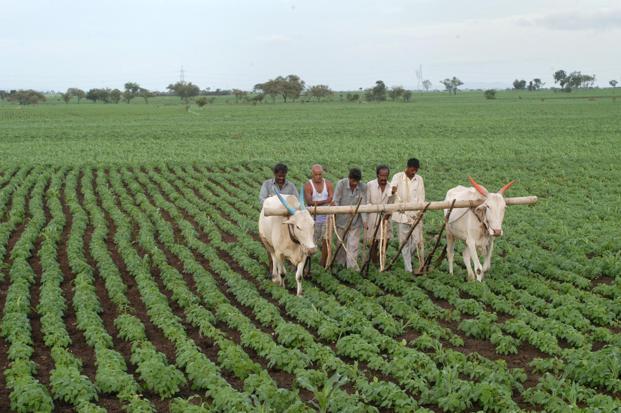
pixel 300 294
pixel 277 281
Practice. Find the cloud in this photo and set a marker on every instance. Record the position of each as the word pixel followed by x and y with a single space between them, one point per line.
pixel 602 19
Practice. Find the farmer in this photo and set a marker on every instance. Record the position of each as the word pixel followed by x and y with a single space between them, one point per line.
pixel 349 191
pixel 278 181
pixel 318 191
pixel 409 187
pixel 379 192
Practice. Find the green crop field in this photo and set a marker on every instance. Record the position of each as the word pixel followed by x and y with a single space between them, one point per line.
pixel 133 278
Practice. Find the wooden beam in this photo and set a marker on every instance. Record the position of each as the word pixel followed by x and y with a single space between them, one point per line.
pixel 390 208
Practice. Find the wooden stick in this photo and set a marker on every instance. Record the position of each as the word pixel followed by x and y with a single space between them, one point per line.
pixel 351 220
pixel 406 206
pixel 420 218
pixel 424 266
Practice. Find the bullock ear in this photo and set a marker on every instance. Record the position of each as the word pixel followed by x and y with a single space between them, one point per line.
pixel 480 211
pixel 289 221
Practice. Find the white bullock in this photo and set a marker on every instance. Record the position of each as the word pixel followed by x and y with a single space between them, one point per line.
pixel 287 237
pixel 476 226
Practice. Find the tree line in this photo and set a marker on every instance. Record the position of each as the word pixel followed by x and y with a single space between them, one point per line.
pixel 289 88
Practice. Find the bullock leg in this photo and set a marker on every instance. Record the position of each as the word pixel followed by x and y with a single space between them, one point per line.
pixel 488 256
pixel 471 245
pixel 468 264
pixel 299 275
pixel 276 277
pixel 450 250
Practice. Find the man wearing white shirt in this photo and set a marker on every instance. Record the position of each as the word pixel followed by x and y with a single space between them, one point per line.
pixel 379 192
pixel 410 187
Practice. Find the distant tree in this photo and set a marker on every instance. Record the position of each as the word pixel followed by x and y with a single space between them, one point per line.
pixel 115 95
pixel 145 94
pixel 3 94
pixel 66 97
pixel 573 80
pixel 535 84
pixel 407 95
pixel 78 93
pixel 185 90
pixel 291 87
pixel 377 93
pixel 256 98
pixel 201 101
pixel 98 94
pixel 319 91
pixel 452 85
pixel 519 84
pixel 396 92
pixel 269 88
pixel 239 94
pixel 427 84
pixel 353 97
pixel 131 91
pixel 25 97
pixel 613 83
pixel 490 94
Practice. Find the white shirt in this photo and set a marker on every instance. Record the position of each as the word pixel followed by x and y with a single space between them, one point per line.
pixel 377 197
pixel 408 190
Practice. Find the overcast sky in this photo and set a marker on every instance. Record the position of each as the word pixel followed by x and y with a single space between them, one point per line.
pixel 346 44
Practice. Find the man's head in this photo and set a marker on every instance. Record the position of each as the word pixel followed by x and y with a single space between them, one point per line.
pixel 317 173
pixel 382 172
pixel 411 167
pixel 355 175
pixel 280 173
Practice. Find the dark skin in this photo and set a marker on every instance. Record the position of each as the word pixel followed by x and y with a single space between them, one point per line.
pixel 410 171
pixel 280 178
pixel 382 181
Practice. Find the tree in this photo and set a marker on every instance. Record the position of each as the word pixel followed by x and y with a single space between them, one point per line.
pixel 427 84
pixel 490 94
pixel 201 101
pixel 131 90
pixel 239 94
pixel 185 90
pixel 3 94
pixel 376 93
pixel 98 94
pixel 573 80
pixel 396 92
pixel 269 88
pixel 319 91
pixel 66 97
pixel 25 97
pixel 535 84
pixel 115 95
pixel 452 85
pixel 78 93
pixel 407 95
pixel 290 87
pixel 613 83
pixel 353 97
pixel 519 84
pixel 145 94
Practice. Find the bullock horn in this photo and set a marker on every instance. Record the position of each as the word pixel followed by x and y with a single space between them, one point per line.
pixel 302 206
pixel 504 188
pixel 480 188
pixel 284 202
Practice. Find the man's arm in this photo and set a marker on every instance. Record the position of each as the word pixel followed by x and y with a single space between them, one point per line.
pixel 421 190
pixel 308 194
pixel 338 194
pixel 263 194
pixel 330 193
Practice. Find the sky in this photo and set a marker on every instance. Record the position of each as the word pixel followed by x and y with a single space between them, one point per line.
pixel 346 44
